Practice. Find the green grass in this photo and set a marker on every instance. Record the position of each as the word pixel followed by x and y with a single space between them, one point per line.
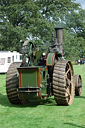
pixel 43 114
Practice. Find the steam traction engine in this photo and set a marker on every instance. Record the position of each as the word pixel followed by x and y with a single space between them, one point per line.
pixel 45 74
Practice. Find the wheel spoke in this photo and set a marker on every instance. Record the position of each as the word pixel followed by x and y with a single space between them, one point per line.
pixel 67 71
pixel 68 82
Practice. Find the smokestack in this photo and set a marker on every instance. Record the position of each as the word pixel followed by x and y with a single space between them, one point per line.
pixel 59 36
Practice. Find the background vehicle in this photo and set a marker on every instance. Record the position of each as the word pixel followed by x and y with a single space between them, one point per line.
pixel 46 74
pixel 82 61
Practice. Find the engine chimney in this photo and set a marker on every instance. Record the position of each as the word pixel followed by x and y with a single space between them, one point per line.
pixel 59 36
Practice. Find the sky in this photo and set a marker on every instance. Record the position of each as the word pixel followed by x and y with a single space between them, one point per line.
pixel 82 2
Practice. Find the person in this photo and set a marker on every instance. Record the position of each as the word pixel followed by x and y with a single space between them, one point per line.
pixel 79 61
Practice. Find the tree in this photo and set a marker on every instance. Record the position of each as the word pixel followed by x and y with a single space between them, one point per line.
pixel 36 19
pixel 74 23
pixel 74 47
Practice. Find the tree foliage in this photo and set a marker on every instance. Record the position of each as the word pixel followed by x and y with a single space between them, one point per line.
pixel 36 19
pixel 75 25
pixel 74 47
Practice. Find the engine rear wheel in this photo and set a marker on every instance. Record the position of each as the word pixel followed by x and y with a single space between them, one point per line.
pixel 78 85
pixel 12 83
pixel 63 82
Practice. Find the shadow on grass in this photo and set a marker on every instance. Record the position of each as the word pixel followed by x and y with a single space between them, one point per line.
pixel 48 102
pixel 81 97
pixel 75 125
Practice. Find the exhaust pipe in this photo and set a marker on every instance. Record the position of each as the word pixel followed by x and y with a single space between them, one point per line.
pixel 59 38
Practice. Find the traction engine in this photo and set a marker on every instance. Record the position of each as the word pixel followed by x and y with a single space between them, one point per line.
pixel 43 73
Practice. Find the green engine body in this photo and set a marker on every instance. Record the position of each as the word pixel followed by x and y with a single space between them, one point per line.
pixel 34 81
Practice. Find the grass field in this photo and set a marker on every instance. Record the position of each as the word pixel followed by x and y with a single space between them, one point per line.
pixel 43 114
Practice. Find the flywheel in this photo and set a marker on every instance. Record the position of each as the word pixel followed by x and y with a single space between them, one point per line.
pixel 63 82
